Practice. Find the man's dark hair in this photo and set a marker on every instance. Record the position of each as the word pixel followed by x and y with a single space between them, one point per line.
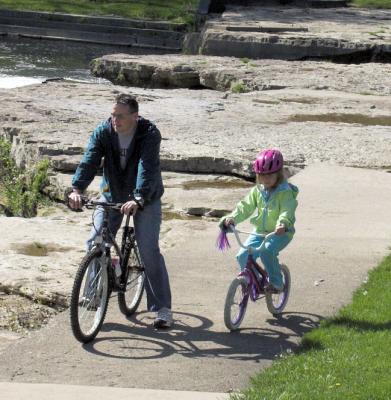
pixel 127 100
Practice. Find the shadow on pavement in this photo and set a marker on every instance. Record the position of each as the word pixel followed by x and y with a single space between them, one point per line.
pixel 196 340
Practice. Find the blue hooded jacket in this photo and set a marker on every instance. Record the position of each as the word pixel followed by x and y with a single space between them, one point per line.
pixel 142 174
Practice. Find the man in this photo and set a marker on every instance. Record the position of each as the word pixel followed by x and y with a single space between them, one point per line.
pixel 130 147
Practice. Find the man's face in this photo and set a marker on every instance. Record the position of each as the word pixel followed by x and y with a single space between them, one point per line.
pixel 123 120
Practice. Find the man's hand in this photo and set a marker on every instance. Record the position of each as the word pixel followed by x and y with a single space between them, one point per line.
pixel 280 230
pixel 129 208
pixel 75 200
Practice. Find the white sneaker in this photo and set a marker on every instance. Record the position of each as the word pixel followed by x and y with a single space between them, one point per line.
pixel 163 318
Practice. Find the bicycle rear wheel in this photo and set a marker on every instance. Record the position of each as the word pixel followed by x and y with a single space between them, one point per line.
pixel 129 300
pixel 236 303
pixel 90 297
pixel 276 302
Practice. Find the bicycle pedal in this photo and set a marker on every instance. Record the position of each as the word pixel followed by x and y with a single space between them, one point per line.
pixel 273 290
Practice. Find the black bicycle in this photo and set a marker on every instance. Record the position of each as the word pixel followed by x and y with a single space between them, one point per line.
pixel 100 274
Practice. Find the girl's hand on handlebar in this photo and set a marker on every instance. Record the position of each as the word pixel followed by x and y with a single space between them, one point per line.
pixel 129 208
pixel 228 222
pixel 280 230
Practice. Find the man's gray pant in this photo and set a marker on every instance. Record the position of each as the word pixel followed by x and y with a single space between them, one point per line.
pixel 147 228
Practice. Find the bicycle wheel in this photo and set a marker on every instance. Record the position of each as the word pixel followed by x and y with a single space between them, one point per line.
pixel 90 297
pixel 129 300
pixel 236 303
pixel 276 302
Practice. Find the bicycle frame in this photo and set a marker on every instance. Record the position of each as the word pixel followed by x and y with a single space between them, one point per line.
pixel 257 286
pixel 253 282
pixel 105 239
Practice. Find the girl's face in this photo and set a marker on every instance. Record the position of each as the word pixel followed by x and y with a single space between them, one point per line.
pixel 269 180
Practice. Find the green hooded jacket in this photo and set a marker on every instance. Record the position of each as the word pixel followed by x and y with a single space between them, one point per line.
pixel 272 208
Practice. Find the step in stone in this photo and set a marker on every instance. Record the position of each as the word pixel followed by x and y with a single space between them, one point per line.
pixel 265 29
pixel 102 30
pixel 83 19
pixel 294 3
pixel 39 23
pixel 92 37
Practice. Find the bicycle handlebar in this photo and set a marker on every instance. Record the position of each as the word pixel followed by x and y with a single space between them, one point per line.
pixel 92 204
pixel 232 228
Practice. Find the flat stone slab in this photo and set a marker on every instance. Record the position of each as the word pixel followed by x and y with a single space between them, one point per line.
pixel 241 75
pixel 296 33
pixel 206 131
pixel 40 255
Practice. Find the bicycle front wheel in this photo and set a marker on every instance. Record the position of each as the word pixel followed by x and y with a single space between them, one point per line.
pixel 236 303
pixel 129 300
pixel 90 297
pixel 276 302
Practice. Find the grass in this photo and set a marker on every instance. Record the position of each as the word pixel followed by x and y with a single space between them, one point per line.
pixel 21 190
pixel 347 357
pixel 371 3
pixel 181 11
pixel 239 87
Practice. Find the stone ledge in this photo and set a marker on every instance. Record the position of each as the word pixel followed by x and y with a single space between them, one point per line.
pixel 102 30
pixel 223 73
pixel 93 20
pixel 292 33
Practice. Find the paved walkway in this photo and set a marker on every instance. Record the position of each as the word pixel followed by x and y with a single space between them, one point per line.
pixel 343 230
pixel 38 391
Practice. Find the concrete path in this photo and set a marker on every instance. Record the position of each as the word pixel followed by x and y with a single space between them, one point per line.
pixel 39 391
pixel 343 230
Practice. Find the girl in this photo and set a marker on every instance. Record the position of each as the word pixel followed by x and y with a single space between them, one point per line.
pixel 274 199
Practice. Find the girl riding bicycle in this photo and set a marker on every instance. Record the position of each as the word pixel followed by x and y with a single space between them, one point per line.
pixel 274 199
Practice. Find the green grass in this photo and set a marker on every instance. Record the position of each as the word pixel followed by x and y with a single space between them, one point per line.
pixel 347 357
pixel 371 3
pixel 239 87
pixel 21 190
pixel 181 11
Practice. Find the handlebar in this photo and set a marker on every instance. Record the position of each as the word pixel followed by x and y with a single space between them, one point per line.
pixel 90 204
pixel 232 228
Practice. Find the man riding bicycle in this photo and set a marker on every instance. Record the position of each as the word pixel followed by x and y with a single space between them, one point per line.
pixel 130 146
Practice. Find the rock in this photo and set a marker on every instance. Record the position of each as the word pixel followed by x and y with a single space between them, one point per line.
pixel 145 74
pixel 224 73
pixel 205 132
pixel 294 33
pixel 40 255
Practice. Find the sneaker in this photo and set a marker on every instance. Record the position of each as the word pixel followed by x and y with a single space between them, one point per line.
pixel 273 289
pixel 163 319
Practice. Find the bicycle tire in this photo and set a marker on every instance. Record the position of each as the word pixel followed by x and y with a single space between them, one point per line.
pixel 129 300
pixel 90 297
pixel 236 303
pixel 276 302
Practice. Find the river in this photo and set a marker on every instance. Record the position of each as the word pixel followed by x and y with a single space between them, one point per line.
pixel 25 61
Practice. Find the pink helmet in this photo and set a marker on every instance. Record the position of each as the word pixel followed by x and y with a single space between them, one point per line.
pixel 268 161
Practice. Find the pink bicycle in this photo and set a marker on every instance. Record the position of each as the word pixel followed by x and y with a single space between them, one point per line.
pixel 253 283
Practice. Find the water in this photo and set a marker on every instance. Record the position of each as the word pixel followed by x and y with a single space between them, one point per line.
pixel 24 61
pixel 382 120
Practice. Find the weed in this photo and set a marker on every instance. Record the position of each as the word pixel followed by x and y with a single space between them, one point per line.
pixel 239 87
pixel 21 189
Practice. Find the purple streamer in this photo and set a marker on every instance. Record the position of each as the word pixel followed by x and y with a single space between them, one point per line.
pixel 222 242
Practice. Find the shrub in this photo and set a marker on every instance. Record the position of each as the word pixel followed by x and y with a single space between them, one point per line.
pixel 21 190
pixel 239 87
